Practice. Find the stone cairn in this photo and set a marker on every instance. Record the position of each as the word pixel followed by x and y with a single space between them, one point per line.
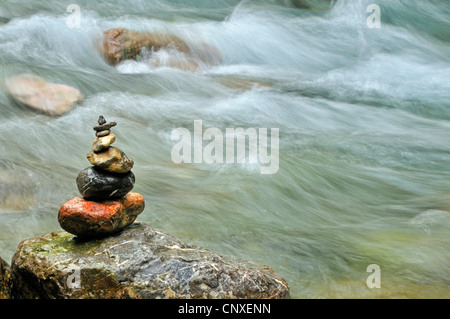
pixel 107 205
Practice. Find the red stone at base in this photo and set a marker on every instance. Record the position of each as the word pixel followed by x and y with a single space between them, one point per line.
pixel 96 219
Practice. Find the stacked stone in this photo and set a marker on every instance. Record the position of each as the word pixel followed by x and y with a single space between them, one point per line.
pixel 111 175
pixel 108 205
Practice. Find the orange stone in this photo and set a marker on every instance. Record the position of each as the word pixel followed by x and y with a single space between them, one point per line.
pixel 98 219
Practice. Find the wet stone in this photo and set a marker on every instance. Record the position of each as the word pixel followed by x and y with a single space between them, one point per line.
pixel 95 219
pixel 95 183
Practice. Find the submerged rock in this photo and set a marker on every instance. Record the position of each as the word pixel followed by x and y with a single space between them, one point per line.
pixel 311 4
pixel 17 192
pixel 40 95
pixel 121 44
pixel 98 219
pixel 139 262
pixel 3 20
pixel 5 280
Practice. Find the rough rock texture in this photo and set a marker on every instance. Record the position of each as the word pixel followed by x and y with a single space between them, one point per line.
pixel 98 219
pixel 40 95
pixel 95 183
pixel 5 280
pixel 139 262
pixel 112 160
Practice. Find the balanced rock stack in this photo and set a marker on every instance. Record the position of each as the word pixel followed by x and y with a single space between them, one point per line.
pixel 108 205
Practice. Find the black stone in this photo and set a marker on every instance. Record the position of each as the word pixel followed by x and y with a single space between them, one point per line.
pixel 101 120
pixel 95 183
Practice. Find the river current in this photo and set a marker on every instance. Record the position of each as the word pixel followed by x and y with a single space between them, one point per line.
pixel 363 115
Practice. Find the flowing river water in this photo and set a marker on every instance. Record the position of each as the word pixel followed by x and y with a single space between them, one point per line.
pixel 364 133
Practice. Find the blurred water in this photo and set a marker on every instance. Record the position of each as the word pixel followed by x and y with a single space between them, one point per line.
pixel 364 133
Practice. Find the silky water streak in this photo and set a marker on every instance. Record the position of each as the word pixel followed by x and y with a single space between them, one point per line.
pixel 213 152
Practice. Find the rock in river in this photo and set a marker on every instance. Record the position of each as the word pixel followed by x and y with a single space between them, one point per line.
pixel 40 95
pixel 122 44
pixel 140 262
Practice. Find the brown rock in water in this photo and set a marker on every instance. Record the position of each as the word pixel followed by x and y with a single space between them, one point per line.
pixel 121 44
pixel 138 263
pixel 6 281
pixel 185 63
pixel 112 160
pixel 40 95
pixel 86 218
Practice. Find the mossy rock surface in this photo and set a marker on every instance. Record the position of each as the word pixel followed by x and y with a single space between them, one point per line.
pixel 5 280
pixel 139 262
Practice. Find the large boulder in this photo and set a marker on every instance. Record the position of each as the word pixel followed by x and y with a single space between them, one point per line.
pixel 35 92
pixel 139 262
pixel 121 44
pixel 5 280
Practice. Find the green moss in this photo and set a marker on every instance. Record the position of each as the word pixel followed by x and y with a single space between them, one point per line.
pixel 62 242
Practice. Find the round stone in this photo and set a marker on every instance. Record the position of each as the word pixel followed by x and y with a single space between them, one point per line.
pixel 49 98
pixel 95 183
pixel 86 218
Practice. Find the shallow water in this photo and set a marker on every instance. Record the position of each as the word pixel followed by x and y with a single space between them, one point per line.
pixel 363 116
